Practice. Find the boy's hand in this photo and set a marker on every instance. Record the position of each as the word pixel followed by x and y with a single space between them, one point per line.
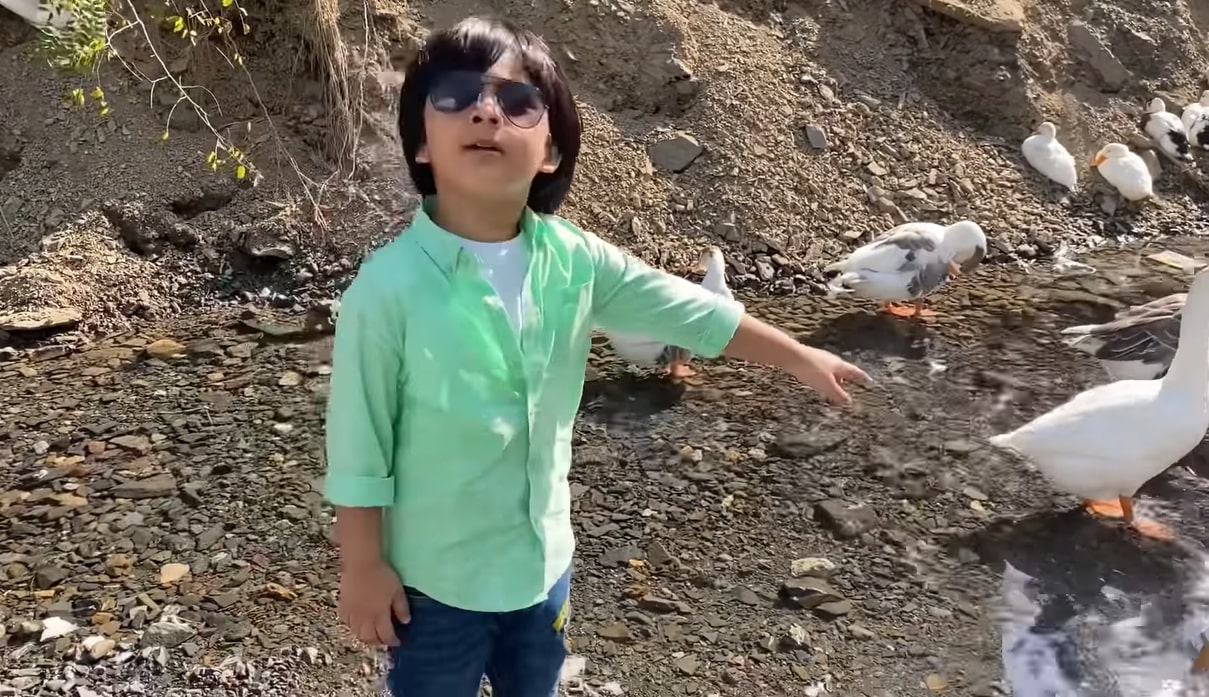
pixel 826 373
pixel 371 598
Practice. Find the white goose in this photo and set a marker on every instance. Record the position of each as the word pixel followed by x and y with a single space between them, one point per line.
pixel 908 263
pixel 1196 121
pixel 1125 170
pixel 1167 130
pixel 1049 157
pixel 645 351
pixel 1106 442
pixel 1138 344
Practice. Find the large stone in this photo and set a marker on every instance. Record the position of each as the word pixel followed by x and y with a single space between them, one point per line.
pixel 676 152
pixel 155 486
pixel 1113 74
pixel 1001 16
pixel 41 319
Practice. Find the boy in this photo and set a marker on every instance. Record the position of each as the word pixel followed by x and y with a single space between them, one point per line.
pixel 458 370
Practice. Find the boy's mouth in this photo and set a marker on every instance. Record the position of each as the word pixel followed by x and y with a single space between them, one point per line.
pixel 484 146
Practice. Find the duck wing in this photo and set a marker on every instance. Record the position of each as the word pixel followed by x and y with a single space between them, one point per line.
pixel 919 258
pixel 1149 333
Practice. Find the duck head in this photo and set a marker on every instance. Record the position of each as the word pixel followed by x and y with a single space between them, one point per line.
pixel 1112 151
pixel 965 244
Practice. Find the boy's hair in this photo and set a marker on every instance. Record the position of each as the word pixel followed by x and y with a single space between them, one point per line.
pixel 477 44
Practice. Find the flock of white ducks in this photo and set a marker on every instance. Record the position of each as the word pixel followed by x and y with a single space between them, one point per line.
pixel 1128 172
pixel 1106 442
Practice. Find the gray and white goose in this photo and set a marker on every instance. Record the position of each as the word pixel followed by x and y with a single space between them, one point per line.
pixel 1138 344
pixel 908 263
pixel 646 351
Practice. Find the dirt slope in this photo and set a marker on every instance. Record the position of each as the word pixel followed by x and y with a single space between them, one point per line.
pixel 788 132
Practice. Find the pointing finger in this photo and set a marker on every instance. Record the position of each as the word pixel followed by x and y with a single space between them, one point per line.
pixel 836 394
pixel 852 372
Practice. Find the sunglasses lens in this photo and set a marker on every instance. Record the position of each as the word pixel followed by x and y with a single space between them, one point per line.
pixel 458 90
pixel 521 103
pixel 455 91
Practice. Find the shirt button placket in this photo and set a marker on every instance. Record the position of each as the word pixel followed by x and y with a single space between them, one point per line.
pixel 532 368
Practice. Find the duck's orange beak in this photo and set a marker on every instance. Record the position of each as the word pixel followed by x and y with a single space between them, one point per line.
pixel 1099 159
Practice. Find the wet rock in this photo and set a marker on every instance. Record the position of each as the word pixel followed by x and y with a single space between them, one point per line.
pixel 155 486
pixel 803 446
pixel 846 520
pixel 808 593
pixel 676 152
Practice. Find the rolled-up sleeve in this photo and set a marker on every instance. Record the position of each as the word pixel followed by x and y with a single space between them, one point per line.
pixel 363 405
pixel 631 297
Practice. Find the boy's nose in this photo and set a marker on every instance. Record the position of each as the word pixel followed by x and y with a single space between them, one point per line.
pixel 486 109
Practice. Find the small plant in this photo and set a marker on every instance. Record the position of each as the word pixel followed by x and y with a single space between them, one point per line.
pixel 80 37
pixel 77 35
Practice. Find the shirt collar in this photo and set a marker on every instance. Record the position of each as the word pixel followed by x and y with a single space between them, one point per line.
pixel 445 248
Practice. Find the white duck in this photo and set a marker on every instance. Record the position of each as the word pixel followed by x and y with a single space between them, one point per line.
pixel 1106 442
pixel 908 263
pixel 1046 155
pixel 645 351
pixel 1138 344
pixel 1196 121
pixel 1125 170
pixel 1166 129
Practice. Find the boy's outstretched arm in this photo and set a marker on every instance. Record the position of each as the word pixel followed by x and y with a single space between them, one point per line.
pixel 820 370
pixel 363 407
pixel 630 296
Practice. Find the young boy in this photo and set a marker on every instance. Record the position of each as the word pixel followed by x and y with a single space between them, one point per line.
pixel 458 370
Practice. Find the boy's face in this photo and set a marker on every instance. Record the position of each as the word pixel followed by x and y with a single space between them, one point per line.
pixel 487 134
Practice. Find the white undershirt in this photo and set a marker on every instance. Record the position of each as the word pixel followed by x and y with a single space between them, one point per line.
pixel 504 265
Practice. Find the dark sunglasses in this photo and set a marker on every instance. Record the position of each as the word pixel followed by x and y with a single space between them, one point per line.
pixel 458 90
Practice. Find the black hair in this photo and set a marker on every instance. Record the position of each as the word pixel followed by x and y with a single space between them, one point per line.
pixel 476 44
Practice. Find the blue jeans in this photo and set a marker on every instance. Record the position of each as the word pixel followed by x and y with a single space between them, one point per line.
pixel 445 652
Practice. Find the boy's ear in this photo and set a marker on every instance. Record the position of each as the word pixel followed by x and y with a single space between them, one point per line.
pixel 422 155
pixel 553 159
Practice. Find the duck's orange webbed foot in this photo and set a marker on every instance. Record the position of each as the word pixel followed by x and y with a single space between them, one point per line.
pixel 1201 664
pixel 898 310
pixel 1107 508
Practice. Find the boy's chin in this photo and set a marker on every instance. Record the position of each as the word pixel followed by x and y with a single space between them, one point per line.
pixel 496 182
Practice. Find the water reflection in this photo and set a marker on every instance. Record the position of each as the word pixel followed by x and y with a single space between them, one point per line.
pixel 1091 630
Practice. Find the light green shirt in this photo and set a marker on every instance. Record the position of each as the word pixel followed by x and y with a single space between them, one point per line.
pixel 461 427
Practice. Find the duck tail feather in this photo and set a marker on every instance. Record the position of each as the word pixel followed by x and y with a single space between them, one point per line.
pixel 1003 441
